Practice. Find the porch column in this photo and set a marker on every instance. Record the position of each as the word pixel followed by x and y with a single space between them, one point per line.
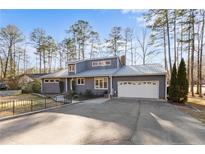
pixel 71 80
pixel 165 87
pixel 66 85
pixel 110 86
pixel 42 85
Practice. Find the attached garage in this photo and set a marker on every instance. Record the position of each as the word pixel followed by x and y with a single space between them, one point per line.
pixel 143 81
pixel 139 89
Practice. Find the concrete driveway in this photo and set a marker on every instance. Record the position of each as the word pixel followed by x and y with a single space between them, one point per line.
pixel 119 121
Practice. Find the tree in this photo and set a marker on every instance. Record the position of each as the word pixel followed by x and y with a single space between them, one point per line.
pixel 201 54
pixel 182 82
pixel 38 38
pixel 51 48
pixel 114 42
pixel 80 34
pixel 69 47
pixel 145 47
pixel 192 15
pixel 173 88
pixel 157 21
pixel 168 37
pixel 128 38
pixel 10 37
pixel 94 43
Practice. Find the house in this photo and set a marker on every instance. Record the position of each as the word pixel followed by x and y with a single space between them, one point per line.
pixel 111 76
pixel 27 78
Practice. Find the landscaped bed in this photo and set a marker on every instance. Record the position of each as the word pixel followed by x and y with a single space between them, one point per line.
pixel 194 107
pixel 13 105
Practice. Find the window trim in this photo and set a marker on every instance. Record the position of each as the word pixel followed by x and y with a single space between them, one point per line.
pixel 80 81
pixel 101 63
pixel 103 79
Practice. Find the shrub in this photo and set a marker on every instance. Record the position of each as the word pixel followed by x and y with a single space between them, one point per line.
pixel 182 82
pixel 13 84
pixel 36 86
pixel 88 93
pixel 27 88
pixel 173 88
pixel 31 87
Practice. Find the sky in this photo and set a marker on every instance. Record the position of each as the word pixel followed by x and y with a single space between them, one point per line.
pixel 55 22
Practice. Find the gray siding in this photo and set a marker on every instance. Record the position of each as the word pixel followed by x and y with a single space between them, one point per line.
pixel 160 78
pixel 51 88
pixel 89 84
pixel 87 65
pixel 81 66
pixel 113 64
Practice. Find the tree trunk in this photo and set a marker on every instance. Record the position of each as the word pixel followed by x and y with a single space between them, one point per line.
pixel 198 55
pixel 201 54
pixel 175 40
pixel 181 40
pixel 189 51
pixel 192 53
pixel 165 49
pixel 131 52
pixel 125 48
pixel 168 40
pixel 40 56
pixel 91 50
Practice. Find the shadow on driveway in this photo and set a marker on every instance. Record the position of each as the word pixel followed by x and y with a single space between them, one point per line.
pixel 114 122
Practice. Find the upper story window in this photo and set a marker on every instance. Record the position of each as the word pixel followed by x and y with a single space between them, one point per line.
pixel 71 68
pixel 101 63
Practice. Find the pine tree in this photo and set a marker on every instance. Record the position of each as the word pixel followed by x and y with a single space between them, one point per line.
pixel 173 88
pixel 182 82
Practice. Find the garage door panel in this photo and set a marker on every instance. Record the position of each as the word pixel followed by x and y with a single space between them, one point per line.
pixel 140 89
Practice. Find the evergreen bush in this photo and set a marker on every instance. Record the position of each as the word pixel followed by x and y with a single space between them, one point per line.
pixel 182 82
pixel 173 88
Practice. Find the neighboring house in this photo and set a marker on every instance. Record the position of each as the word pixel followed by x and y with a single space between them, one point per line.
pixel 109 75
pixel 27 78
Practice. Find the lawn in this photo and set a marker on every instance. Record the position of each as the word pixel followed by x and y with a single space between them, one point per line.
pixel 24 103
pixel 196 109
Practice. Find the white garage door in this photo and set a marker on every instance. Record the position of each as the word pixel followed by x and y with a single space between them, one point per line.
pixel 140 89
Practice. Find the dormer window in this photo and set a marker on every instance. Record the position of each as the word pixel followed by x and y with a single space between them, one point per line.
pixel 101 63
pixel 71 68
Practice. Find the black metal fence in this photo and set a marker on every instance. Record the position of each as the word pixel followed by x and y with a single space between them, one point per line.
pixel 14 107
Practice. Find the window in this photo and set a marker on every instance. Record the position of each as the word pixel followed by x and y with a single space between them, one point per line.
pixel 80 81
pixel 71 68
pixel 101 83
pixel 101 63
pixel 51 80
pixel 94 63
